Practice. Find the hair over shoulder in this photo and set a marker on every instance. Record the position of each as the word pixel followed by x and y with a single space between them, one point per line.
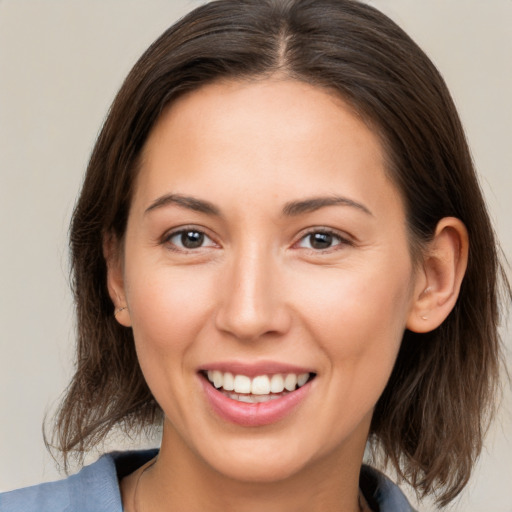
pixel 430 421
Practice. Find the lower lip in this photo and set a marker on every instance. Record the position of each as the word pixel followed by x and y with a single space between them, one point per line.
pixel 253 415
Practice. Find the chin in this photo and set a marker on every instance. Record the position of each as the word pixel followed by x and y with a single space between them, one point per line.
pixel 261 461
pixel 262 471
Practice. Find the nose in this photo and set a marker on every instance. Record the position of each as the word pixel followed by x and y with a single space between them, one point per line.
pixel 253 304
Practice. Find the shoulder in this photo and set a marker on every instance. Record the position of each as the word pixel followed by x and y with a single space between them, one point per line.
pixel 95 488
pixel 381 493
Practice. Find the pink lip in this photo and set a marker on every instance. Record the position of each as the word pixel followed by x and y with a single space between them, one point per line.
pixel 253 415
pixel 254 369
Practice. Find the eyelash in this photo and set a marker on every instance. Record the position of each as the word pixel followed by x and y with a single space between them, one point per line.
pixel 341 241
pixel 181 232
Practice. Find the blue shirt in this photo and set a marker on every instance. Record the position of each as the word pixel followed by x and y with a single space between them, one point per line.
pixel 96 489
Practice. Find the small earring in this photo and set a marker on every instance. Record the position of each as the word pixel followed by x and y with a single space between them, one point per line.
pixel 119 310
pixel 424 317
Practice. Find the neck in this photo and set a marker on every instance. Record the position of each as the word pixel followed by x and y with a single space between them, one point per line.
pixel 179 480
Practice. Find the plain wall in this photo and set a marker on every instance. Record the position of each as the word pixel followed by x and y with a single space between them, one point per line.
pixel 61 62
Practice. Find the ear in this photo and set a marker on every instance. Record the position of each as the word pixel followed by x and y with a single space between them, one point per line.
pixel 113 254
pixel 438 282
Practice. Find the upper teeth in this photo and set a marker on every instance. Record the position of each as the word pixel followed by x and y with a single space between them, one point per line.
pixel 260 385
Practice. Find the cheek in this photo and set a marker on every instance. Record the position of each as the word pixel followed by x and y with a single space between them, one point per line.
pixel 358 302
pixel 168 308
pixel 358 318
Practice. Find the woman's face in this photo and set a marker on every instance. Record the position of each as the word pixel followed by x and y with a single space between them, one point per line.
pixel 265 243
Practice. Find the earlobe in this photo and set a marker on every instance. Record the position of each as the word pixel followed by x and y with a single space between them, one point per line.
pixel 439 280
pixel 115 280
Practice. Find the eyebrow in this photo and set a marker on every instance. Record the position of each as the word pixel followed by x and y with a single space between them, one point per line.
pixel 291 209
pixel 315 203
pixel 191 203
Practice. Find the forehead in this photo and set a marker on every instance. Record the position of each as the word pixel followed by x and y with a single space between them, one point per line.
pixel 280 136
pixel 252 107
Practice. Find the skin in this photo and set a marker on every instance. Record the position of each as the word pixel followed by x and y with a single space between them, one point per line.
pixel 257 290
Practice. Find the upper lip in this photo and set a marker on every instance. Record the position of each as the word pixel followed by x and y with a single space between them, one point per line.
pixel 255 368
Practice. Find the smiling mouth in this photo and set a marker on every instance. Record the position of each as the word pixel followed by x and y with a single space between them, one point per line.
pixel 261 388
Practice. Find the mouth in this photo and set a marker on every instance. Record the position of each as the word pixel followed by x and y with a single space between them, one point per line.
pixel 257 389
pixel 258 393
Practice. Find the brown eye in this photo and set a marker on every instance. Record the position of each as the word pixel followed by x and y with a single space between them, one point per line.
pixel 320 240
pixel 192 239
pixel 188 239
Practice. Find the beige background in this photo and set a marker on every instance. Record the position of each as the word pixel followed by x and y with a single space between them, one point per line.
pixel 61 63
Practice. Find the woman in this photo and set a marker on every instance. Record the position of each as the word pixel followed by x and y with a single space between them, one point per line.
pixel 278 252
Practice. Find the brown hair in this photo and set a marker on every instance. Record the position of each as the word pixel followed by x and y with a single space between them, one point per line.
pixel 432 415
